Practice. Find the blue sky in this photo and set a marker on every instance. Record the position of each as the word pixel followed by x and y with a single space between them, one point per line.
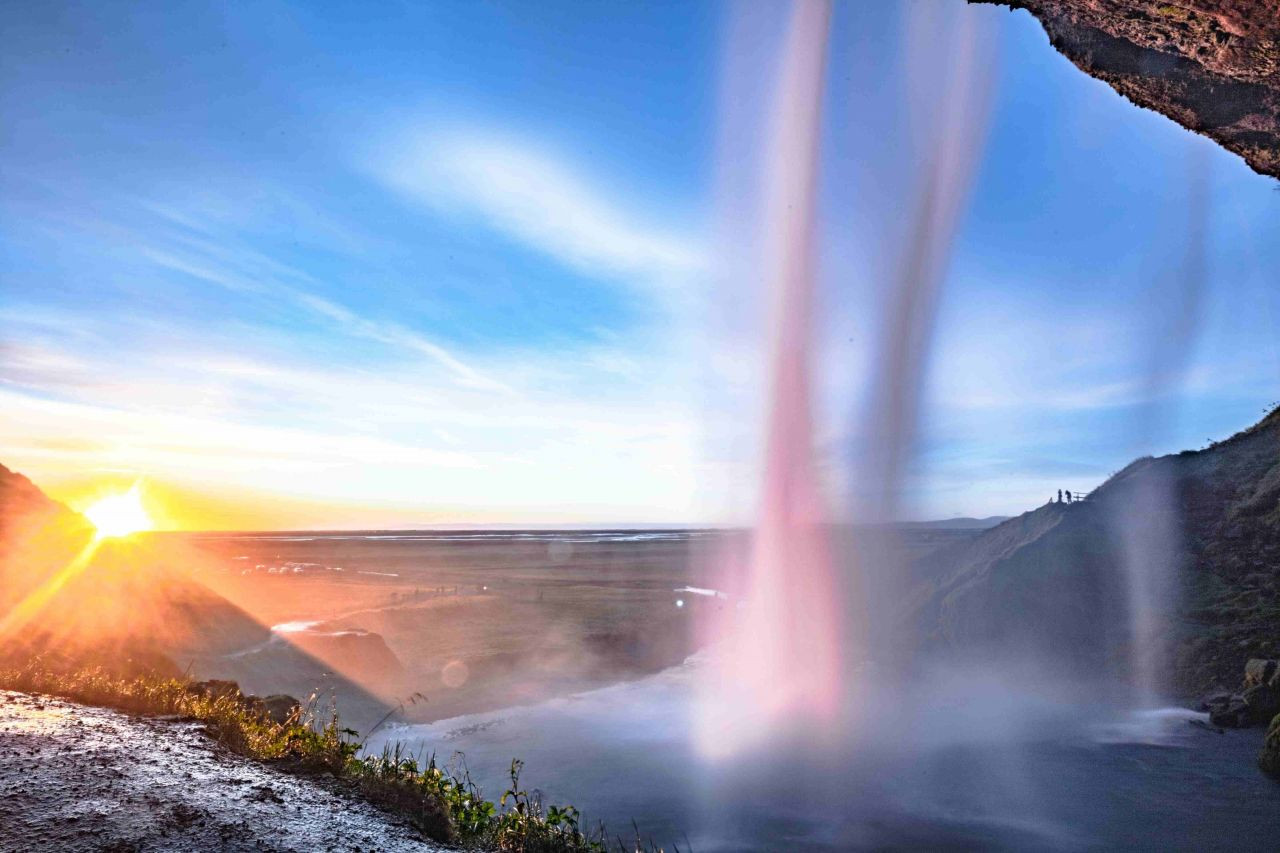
pixel 322 265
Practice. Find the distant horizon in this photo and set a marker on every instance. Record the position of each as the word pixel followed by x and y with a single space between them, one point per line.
pixel 570 525
pixel 557 528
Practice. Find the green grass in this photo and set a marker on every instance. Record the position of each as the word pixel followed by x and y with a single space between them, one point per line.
pixel 441 802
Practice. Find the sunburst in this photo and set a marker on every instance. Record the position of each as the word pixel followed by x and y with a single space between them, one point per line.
pixel 119 515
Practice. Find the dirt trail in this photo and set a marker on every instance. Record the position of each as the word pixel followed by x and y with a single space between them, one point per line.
pixel 75 778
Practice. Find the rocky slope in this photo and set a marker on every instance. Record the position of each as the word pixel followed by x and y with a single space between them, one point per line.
pixel 135 605
pixel 75 778
pixel 116 603
pixel 1046 584
pixel 1213 66
pixel 22 503
pixel 1053 582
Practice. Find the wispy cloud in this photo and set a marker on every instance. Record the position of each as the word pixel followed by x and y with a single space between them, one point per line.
pixel 538 200
pixel 245 271
pixel 218 358
pixel 396 335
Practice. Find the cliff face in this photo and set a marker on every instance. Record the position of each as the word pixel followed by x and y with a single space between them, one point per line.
pixel 1046 585
pixel 1213 66
pixel 1053 582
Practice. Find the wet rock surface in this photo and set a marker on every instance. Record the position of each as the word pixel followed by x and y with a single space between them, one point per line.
pixel 1257 702
pixel 74 778
pixel 1213 66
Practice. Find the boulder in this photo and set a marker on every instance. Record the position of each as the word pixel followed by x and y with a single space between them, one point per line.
pixel 1257 702
pixel 1262 702
pixel 1233 714
pixel 1260 671
pixel 1269 758
pixel 281 708
pixel 215 689
pixel 1216 700
pixel 278 707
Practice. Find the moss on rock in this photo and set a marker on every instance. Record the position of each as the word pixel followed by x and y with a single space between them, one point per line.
pixel 1269 758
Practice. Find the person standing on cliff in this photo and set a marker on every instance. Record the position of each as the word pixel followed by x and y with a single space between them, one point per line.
pixel 1068 496
pixel 1059 495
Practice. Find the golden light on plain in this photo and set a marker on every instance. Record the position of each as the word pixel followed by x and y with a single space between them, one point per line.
pixel 119 515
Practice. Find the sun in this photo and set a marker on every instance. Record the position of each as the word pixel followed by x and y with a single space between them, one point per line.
pixel 119 515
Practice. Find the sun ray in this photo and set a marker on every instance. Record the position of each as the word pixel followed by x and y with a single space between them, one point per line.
pixel 21 614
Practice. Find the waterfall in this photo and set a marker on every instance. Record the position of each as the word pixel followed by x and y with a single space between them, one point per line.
pixel 786 652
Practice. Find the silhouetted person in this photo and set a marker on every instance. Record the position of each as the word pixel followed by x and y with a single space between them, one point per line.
pixel 1068 496
pixel 1059 495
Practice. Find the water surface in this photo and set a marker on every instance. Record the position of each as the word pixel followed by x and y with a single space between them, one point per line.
pixel 940 769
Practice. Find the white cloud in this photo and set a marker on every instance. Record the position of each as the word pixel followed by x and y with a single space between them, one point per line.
pixel 539 201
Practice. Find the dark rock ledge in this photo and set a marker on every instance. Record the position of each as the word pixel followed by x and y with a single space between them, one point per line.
pixel 1213 66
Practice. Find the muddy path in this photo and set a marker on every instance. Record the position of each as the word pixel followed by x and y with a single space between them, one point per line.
pixel 75 778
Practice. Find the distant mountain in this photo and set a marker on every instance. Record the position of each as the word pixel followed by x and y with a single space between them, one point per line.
pixel 1055 582
pixel 965 523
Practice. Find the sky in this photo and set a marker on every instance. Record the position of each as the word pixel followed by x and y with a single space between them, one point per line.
pixel 327 265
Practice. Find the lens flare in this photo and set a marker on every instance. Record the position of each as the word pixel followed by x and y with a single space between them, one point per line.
pixel 119 515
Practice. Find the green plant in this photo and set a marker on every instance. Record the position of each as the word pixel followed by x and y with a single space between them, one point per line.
pixel 526 827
